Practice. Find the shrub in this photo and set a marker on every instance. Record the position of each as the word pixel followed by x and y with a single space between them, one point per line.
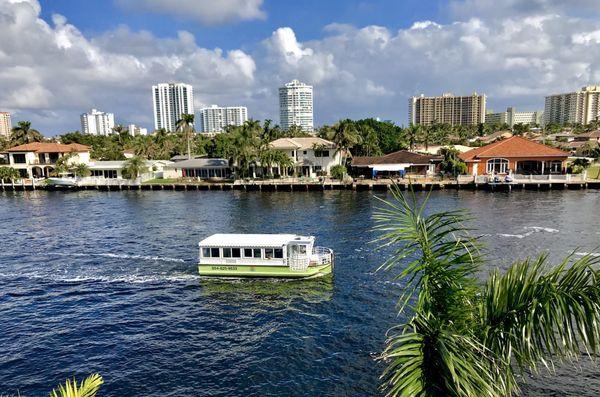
pixel 338 172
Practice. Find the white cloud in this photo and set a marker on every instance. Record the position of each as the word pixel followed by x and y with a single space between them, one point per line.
pixel 50 73
pixel 208 12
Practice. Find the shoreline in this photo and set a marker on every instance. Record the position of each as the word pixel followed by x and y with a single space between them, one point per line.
pixel 286 186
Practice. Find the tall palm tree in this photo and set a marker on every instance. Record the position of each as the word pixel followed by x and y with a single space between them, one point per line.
pixel 23 133
pixel 87 388
pixel 369 140
pixel 345 136
pixel 283 161
pixel 466 339
pixel 413 133
pixel 186 125
pixel 81 170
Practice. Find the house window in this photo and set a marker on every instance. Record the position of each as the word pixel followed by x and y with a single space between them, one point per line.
pixel 555 167
pixel 304 152
pixel 321 153
pixel 498 166
pixel 19 158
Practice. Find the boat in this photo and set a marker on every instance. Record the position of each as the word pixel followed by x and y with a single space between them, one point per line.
pixel 61 181
pixel 263 255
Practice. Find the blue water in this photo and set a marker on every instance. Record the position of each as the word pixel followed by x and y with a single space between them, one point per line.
pixel 106 282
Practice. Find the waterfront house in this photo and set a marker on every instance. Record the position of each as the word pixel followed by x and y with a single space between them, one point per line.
pixel 435 149
pixel 401 163
pixel 515 155
pixel 311 156
pixel 38 159
pixel 108 170
pixel 201 168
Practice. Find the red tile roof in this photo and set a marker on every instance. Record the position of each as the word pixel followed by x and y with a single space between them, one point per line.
pixel 50 147
pixel 515 146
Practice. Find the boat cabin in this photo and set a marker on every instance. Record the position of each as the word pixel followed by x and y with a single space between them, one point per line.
pixel 256 249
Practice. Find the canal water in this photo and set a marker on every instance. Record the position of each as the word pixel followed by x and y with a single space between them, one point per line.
pixel 106 282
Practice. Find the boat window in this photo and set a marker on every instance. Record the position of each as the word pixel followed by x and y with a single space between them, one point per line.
pixel 302 249
pixel 278 252
pixel 214 253
pixel 226 252
pixel 235 253
pixel 247 252
pixel 257 253
pixel 268 253
pixel 206 252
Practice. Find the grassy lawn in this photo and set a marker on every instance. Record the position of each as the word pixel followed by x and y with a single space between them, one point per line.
pixel 593 172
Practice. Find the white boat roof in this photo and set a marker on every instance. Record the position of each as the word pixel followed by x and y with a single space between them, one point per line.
pixel 253 240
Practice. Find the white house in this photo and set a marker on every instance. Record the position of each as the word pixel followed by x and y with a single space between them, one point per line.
pixel 38 159
pixel 104 170
pixel 311 155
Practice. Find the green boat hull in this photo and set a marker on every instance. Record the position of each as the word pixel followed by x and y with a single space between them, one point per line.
pixel 263 271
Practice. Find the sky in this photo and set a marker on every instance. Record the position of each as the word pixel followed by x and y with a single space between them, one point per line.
pixel 60 58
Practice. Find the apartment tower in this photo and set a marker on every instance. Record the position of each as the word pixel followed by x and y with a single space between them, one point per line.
pixel 580 107
pixel 170 101
pixel 214 119
pixel 448 109
pixel 5 125
pixel 296 106
pixel 97 123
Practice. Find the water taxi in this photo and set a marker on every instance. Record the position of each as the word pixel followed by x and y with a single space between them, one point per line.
pixel 263 255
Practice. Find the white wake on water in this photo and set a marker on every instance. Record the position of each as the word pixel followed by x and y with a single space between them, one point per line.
pixel 530 230
pixel 122 256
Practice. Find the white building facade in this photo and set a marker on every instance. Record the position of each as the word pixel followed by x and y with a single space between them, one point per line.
pixel 311 156
pixel 296 106
pixel 512 117
pixel 580 107
pixel 5 125
pixel 135 130
pixel 170 101
pixel 214 119
pixel 97 123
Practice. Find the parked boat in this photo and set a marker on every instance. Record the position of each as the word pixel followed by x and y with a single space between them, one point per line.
pixel 263 255
pixel 61 181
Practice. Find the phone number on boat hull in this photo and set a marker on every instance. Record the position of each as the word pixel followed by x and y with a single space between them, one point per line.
pixel 223 268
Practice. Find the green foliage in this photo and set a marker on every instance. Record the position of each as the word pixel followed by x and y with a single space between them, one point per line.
pixel 9 174
pixel 185 125
pixel 87 388
pixel 465 339
pixel 338 171
pixel 134 167
pixel 23 133
pixel 452 164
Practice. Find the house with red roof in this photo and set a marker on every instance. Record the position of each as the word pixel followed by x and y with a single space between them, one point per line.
pixel 515 155
pixel 38 159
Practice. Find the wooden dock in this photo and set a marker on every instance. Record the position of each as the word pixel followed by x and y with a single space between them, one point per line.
pixel 297 186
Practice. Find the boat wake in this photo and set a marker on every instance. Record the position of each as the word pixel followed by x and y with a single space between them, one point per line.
pixel 593 254
pixel 123 256
pixel 126 279
pixel 530 230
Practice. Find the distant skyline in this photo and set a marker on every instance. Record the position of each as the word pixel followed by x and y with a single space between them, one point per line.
pixel 59 58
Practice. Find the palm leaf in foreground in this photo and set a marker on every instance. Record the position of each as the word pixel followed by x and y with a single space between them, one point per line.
pixel 468 339
pixel 87 388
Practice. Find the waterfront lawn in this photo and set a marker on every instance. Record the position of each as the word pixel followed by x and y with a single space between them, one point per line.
pixel 594 172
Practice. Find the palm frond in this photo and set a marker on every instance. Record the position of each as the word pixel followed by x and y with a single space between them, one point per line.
pixel 533 314
pixel 87 388
pixel 434 254
pixel 425 359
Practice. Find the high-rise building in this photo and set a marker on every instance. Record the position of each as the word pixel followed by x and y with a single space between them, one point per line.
pixel 448 109
pixel 296 106
pixel 214 119
pixel 170 101
pixel 135 130
pixel 580 107
pixel 5 125
pixel 512 117
pixel 97 123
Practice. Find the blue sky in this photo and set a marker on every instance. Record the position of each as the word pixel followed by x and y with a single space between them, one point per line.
pixel 59 58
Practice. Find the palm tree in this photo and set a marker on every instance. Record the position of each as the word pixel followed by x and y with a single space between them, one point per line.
pixel 413 133
pixel 9 174
pixel 369 140
pixel 267 157
pixel 466 339
pixel 186 125
pixel 134 167
pixel 23 133
pixel 345 136
pixel 283 161
pixel 87 388
pixel 81 170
